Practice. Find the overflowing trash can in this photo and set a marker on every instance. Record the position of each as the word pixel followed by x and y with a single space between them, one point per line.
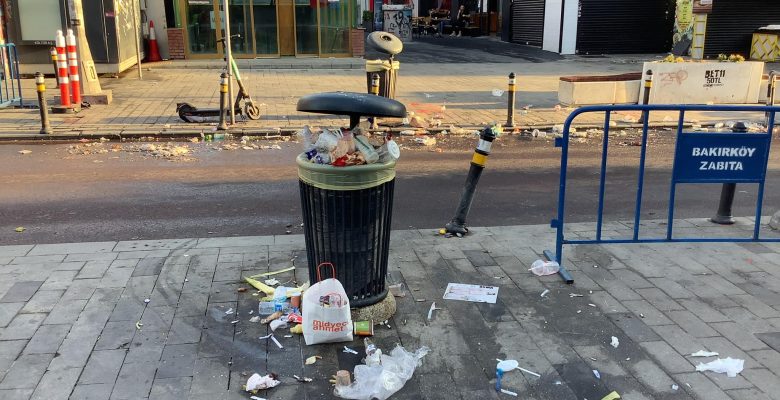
pixel 387 70
pixel 347 209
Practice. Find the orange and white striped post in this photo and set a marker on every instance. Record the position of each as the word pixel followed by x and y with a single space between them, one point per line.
pixel 62 70
pixel 73 67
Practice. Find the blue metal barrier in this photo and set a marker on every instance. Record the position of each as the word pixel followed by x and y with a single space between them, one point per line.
pixel 10 79
pixel 699 157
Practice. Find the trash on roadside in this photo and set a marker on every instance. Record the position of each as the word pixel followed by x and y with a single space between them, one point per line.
pixel 612 396
pixel 254 319
pixel 543 268
pixel 572 295
pixel 675 387
pixel 544 293
pixel 241 290
pixel 431 310
pixel 704 353
pixel 472 293
pixel 294 318
pixel 348 350
pixel 302 379
pixel 343 378
pixel 311 360
pixel 298 329
pixel 504 391
pixel 25 152
pixel 271 336
pixel 272 317
pixel 271 282
pixel 275 324
pixel 257 382
pixel 344 148
pixel 510 365
pixel 426 141
pixel 229 311
pixel 615 342
pixel 363 328
pixel 138 325
pixel 146 301
pixel 257 398
pixel 397 290
pixel 729 366
pixel 380 379
pixel 234 322
pixel 326 313
pixel 497 92
pixel 408 132
pixel 20 229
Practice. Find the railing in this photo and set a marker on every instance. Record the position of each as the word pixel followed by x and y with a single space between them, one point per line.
pixel 10 80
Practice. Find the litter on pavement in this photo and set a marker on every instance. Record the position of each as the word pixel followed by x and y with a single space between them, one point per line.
pixel 615 342
pixel 382 375
pixel 257 382
pixel 729 366
pixel 543 268
pixel 431 310
pixel 704 353
pixel 472 293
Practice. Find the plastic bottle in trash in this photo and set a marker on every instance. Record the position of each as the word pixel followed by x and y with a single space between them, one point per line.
pixel 541 267
pixel 328 140
pixel 389 152
pixel 365 148
pixel 280 298
pixel 307 137
pixel 373 353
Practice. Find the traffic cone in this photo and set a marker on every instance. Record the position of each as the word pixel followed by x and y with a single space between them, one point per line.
pixel 154 51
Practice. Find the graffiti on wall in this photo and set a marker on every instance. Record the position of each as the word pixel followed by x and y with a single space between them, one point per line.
pixel 399 23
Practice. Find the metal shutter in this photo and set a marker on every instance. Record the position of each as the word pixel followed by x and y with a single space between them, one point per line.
pixel 528 22
pixel 731 24
pixel 625 26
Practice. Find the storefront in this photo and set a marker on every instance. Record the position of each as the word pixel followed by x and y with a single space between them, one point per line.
pixel 270 28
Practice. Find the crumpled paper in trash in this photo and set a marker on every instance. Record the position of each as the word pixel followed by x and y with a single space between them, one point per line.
pixel 257 382
pixel 729 366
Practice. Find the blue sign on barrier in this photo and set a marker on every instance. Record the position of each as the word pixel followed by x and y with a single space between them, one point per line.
pixel 718 157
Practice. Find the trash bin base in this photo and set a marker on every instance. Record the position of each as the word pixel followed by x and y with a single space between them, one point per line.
pixel 351 229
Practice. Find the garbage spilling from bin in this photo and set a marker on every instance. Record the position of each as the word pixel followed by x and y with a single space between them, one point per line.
pixel 344 148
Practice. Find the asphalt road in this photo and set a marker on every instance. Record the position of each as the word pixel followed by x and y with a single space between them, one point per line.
pixel 61 197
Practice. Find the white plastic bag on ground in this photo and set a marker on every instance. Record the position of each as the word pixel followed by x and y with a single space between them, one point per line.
pixel 729 366
pixel 326 315
pixel 541 267
pixel 382 381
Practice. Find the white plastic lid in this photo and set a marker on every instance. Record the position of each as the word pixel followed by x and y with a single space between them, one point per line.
pixel 393 150
pixel 507 365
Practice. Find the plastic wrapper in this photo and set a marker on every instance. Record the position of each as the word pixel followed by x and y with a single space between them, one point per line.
pixel 541 267
pixel 328 140
pixel 362 144
pixel 382 381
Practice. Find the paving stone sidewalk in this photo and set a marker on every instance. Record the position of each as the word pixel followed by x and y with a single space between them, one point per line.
pixel 68 315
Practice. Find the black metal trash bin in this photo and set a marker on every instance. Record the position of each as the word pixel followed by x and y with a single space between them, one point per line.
pixel 347 214
pixel 347 211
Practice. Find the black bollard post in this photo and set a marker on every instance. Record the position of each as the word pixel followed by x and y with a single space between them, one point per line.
pixel 724 216
pixel 646 96
pixel 223 102
pixel 458 224
pixel 53 53
pixel 510 107
pixel 40 86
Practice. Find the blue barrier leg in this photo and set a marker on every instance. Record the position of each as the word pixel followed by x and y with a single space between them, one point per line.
pixel 603 175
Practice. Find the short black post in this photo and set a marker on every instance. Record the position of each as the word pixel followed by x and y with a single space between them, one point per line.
pixel 223 102
pixel 646 96
pixel 40 86
pixel 510 106
pixel 724 216
pixel 458 224
pixel 53 52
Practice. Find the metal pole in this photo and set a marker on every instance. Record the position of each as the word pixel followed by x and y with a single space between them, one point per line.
pixel 40 86
pixel 137 42
pixel 724 215
pixel 228 57
pixel 224 102
pixel 53 52
pixel 510 108
pixel 646 96
pixel 770 95
pixel 458 224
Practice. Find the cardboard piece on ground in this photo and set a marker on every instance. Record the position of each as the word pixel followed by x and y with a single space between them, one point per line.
pixel 472 293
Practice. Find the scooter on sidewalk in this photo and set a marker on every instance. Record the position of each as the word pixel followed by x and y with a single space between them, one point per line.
pixel 189 113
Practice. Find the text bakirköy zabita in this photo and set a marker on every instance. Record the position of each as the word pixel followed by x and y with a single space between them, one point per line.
pixel 737 152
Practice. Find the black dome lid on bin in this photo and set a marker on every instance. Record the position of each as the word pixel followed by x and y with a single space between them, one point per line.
pixel 351 104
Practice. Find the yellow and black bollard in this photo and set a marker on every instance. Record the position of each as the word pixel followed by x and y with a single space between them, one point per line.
pixel 53 53
pixel 375 84
pixel 40 86
pixel 646 96
pixel 458 224
pixel 223 102
pixel 510 108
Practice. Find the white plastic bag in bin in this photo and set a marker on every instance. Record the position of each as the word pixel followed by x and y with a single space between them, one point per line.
pixel 326 316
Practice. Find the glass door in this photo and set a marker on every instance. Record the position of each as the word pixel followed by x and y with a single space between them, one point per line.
pixel 266 30
pixel 335 20
pixel 241 24
pixel 201 27
pixel 306 33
